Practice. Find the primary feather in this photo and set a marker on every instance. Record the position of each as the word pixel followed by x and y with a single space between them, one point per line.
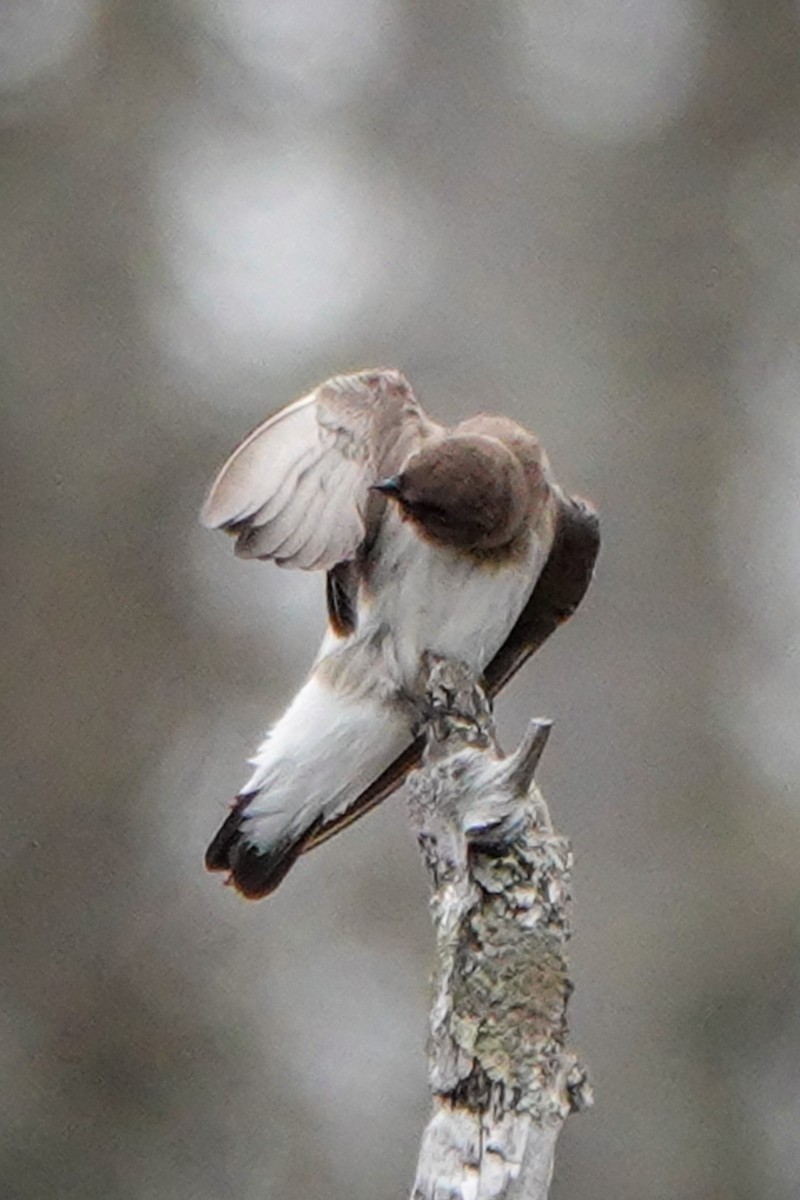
pixel 296 489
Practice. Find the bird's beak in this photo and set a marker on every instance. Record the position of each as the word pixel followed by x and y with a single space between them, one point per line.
pixel 389 487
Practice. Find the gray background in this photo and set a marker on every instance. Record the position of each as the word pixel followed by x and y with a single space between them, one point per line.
pixel 582 213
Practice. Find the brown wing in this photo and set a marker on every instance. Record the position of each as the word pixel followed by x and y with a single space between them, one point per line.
pixel 342 581
pixel 296 490
pixel 560 588
pixel 341 595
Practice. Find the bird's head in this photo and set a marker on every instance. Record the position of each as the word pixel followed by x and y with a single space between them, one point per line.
pixel 465 491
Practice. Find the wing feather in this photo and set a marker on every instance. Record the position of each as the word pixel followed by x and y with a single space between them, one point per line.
pixel 312 525
pixel 261 541
pixel 259 464
pixel 283 488
pixel 296 488
pixel 559 589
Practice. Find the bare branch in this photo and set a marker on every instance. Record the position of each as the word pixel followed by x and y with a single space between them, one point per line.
pixel 502 1079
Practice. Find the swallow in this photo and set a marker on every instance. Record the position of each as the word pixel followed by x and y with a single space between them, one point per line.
pixel 447 541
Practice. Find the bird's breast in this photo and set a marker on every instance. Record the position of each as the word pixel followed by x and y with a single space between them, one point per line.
pixel 425 597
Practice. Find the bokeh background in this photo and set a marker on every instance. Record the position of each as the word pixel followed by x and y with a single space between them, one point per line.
pixel 582 213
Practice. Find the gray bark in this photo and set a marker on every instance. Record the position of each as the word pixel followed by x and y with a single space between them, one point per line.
pixel 502 1079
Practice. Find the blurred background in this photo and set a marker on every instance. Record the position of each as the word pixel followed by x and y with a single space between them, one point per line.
pixel 585 215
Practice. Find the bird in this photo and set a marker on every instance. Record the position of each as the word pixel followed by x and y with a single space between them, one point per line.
pixel 454 542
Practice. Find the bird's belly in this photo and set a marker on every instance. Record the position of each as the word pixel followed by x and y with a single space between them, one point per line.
pixel 427 598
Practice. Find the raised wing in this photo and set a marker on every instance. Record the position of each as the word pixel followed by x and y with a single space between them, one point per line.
pixel 296 489
pixel 559 590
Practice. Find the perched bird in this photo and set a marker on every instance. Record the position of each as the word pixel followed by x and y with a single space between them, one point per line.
pixel 456 542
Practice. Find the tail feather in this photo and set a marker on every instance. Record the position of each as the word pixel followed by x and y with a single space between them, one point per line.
pixel 221 845
pixel 318 758
pixel 256 869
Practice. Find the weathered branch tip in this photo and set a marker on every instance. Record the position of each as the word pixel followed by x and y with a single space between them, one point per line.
pixel 526 758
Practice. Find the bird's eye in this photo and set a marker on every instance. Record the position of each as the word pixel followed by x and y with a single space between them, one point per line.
pixel 427 510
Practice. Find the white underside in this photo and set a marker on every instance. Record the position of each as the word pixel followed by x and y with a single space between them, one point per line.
pixel 431 598
pixel 321 754
pixel 330 744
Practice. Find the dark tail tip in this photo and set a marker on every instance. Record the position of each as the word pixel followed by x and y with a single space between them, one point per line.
pixel 226 837
pixel 256 873
pixel 255 870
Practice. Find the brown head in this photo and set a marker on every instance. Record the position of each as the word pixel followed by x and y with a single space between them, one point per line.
pixel 465 490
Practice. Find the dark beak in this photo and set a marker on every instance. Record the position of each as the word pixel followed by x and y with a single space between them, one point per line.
pixel 389 487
